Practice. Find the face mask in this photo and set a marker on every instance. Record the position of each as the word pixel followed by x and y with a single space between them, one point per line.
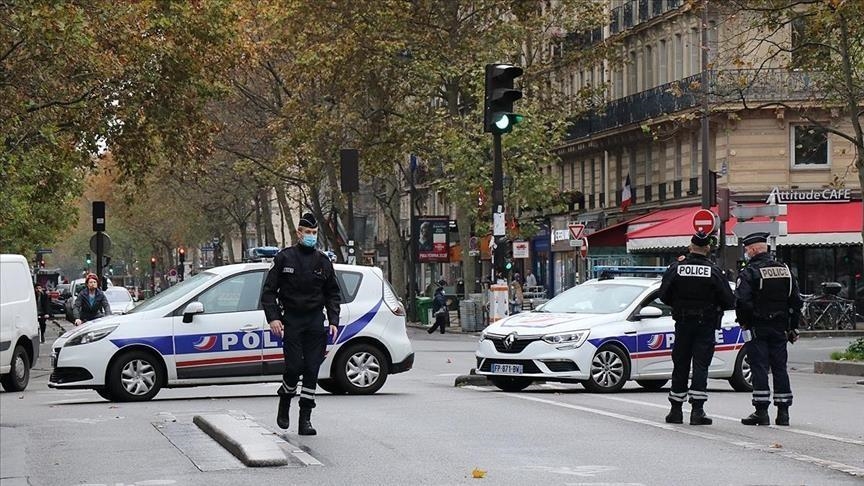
pixel 746 257
pixel 309 240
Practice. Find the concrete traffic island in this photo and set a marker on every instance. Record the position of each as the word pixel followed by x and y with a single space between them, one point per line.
pixel 849 368
pixel 243 438
pixel 471 379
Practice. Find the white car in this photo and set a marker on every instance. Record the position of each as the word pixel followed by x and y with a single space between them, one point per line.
pixel 211 329
pixel 119 299
pixel 600 334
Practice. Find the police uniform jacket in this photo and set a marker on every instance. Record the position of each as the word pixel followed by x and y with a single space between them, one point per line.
pixel 696 288
pixel 767 295
pixel 301 280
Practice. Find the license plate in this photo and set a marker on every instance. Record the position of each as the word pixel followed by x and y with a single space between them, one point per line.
pixel 506 368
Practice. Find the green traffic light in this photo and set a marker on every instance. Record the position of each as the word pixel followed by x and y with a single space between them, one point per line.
pixel 502 123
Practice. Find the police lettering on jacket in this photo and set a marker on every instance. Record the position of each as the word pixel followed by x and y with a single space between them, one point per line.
pixel 696 285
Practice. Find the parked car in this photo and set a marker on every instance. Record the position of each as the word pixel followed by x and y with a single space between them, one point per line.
pixel 58 305
pixel 76 287
pixel 19 326
pixel 119 299
pixel 601 334
pixel 211 329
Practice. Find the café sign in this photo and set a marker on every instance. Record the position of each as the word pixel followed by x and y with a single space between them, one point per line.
pixel 811 195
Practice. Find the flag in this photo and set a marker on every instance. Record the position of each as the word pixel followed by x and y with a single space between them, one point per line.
pixel 626 195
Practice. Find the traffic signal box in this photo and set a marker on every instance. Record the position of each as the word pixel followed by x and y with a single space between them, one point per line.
pixel 503 255
pixel 498 116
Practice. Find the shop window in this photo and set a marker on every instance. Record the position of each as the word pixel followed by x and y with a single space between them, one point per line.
pixel 809 147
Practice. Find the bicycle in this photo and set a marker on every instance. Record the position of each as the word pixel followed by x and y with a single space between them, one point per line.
pixel 827 311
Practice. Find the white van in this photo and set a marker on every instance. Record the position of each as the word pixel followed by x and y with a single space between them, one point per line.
pixel 19 326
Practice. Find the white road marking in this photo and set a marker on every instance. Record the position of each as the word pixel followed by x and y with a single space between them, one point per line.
pixel 833 465
pixel 585 471
pixel 450 374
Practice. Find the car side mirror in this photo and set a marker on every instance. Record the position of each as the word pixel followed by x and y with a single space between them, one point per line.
pixel 191 309
pixel 650 312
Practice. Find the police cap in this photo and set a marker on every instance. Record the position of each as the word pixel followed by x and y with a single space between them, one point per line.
pixel 700 239
pixel 753 238
pixel 308 221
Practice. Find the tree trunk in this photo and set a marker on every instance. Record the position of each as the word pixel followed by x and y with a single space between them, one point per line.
pixel 469 263
pixel 284 215
pixel 267 215
pixel 243 236
pixel 259 229
pixel 329 232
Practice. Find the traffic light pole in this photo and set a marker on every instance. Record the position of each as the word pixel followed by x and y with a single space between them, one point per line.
pixel 497 198
pixel 99 269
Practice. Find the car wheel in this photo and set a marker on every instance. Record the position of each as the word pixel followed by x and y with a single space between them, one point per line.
pixel 331 387
pixel 135 376
pixel 19 374
pixel 361 369
pixel 509 384
pixel 105 393
pixel 652 384
pixel 741 377
pixel 610 369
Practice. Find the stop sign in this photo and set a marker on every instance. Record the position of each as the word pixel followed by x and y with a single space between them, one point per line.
pixel 704 221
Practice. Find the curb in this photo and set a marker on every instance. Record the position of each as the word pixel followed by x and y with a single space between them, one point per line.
pixel 471 379
pixel 847 368
pixel 247 444
pixel 832 333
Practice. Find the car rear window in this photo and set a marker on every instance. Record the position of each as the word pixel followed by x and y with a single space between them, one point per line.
pixel 349 284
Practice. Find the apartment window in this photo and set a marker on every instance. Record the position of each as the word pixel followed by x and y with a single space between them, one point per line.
pixel 572 174
pixel 678 168
pixel 619 83
pixel 603 181
pixel 678 56
pixel 662 63
pixel 648 81
pixel 809 147
pixel 695 52
pixel 631 74
pixel 632 166
pixel 593 176
pixel 649 166
pixel 582 177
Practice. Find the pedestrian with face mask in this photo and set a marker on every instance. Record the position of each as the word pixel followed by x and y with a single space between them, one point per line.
pixel 91 303
pixel 300 286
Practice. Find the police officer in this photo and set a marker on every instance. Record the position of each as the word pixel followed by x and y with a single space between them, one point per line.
pixel 698 292
pixel 300 284
pixel 769 307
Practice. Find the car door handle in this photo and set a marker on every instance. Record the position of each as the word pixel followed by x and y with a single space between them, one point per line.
pixel 630 333
pixel 249 328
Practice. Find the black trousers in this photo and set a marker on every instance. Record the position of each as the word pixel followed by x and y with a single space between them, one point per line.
pixel 767 350
pixel 440 322
pixel 42 323
pixel 304 341
pixel 694 342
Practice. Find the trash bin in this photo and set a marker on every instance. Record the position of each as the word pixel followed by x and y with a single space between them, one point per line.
pixel 424 309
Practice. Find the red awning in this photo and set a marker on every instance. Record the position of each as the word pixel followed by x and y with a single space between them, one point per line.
pixel 616 235
pixel 812 224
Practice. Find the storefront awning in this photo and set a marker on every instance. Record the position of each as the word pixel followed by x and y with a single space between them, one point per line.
pixel 616 235
pixel 808 224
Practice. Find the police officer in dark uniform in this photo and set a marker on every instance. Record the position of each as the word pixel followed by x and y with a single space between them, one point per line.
pixel 299 286
pixel 769 307
pixel 698 292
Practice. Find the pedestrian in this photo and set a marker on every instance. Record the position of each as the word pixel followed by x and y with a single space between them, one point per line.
pixel 299 287
pixel 698 292
pixel 439 309
pixel 530 279
pixel 43 310
pixel 769 307
pixel 91 303
pixel 517 296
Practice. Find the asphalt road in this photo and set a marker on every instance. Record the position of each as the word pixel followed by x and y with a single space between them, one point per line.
pixel 420 429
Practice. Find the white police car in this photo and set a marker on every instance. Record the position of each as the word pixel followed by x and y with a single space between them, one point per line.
pixel 601 334
pixel 211 329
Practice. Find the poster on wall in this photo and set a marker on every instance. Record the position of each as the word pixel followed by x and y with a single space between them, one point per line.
pixel 432 239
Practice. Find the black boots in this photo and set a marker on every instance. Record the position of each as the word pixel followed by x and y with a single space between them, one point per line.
pixel 760 417
pixel 697 415
pixel 282 415
pixel 782 415
pixel 675 416
pixel 305 427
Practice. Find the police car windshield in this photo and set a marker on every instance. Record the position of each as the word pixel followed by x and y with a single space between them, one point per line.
pixel 173 293
pixel 594 299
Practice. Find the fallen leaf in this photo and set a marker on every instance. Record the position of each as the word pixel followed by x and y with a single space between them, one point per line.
pixel 776 445
pixel 113 406
pixel 478 473
pixel 449 360
pixel 20 397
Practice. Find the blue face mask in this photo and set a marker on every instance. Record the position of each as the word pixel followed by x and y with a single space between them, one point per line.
pixel 309 240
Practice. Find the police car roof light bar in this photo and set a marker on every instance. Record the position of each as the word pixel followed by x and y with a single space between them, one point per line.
pixel 622 269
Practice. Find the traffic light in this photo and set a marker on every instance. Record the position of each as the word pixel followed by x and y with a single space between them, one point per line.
pixel 88 260
pixel 498 116
pixel 503 248
pixel 153 264
pixel 182 253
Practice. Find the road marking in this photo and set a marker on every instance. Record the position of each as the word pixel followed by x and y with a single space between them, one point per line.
pixel 833 465
pixel 585 471
pixel 450 374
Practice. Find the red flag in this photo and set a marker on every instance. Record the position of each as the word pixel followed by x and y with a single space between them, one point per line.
pixel 626 195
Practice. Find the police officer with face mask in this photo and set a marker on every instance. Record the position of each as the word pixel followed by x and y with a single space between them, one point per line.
pixel 698 292
pixel 769 307
pixel 300 285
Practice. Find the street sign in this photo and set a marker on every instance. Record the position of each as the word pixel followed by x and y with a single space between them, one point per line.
pixel 704 221
pixel 769 210
pixel 576 230
pixel 45 251
pixel 520 249
pixel 583 252
pixel 106 243
pixel 774 228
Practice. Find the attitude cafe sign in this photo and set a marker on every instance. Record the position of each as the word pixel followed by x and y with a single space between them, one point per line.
pixel 810 195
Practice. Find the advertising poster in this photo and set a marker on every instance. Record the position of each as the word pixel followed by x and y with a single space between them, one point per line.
pixel 432 239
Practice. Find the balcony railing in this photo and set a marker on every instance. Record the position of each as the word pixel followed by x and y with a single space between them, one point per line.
pixel 752 85
pixel 635 12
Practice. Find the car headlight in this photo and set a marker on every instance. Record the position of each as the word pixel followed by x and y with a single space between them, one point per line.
pixel 90 336
pixel 574 338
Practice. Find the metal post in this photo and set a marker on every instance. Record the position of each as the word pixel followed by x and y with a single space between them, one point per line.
pixel 99 251
pixel 497 195
pixel 351 243
pixel 707 196
pixel 412 246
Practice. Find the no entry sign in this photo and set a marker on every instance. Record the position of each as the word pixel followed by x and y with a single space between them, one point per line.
pixel 704 221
